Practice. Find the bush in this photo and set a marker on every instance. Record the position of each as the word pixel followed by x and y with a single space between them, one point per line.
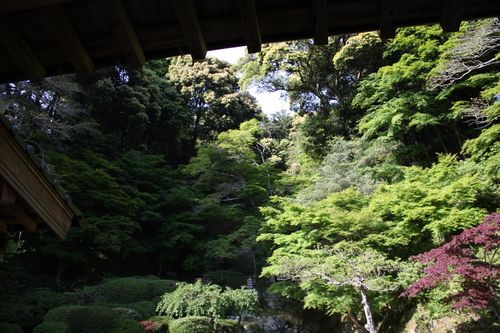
pixel 199 299
pixel 90 319
pixel 29 308
pixel 191 325
pixel 128 313
pixel 145 309
pixel 130 289
pixel 52 327
pixel 10 328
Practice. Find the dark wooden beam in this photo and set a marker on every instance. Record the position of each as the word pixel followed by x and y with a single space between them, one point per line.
pixel 251 25
pixel 451 15
pixel 126 33
pixel 3 227
pixel 21 53
pixel 9 6
pixel 186 14
pixel 387 18
pixel 7 194
pixel 320 8
pixel 55 19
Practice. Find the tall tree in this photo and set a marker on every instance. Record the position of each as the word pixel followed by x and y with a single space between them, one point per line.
pixel 211 92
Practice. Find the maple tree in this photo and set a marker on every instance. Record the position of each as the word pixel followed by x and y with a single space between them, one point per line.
pixel 472 257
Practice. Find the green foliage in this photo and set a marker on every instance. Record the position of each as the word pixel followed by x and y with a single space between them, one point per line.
pixel 191 325
pixel 199 299
pixel 145 309
pixel 52 327
pixel 10 328
pixel 229 326
pixel 129 290
pixel 211 92
pixel 28 308
pixel 87 319
pixel 354 164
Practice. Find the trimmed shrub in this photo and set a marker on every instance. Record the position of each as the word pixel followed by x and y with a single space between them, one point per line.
pixel 90 319
pixel 52 327
pixel 10 328
pixel 191 325
pixel 145 309
pixel 29 308
pixel 130 289
pixel 128 312
pixel 229 326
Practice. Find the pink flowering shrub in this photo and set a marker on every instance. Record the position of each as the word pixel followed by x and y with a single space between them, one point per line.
pixel 470 255
pixel 150 326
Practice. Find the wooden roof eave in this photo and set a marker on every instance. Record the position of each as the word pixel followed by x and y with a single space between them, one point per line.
pixel 25 175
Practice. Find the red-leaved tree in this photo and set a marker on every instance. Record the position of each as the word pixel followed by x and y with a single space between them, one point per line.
pixel 471 255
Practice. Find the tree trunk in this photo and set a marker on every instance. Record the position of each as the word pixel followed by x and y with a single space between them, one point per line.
pixel 370 324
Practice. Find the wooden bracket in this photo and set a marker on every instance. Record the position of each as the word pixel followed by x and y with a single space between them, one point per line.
pixel 251 25
pixel 59 25
pixel 186 14
pixel 126 32
pixel 451 16
pixel 388 19
pixel 320 22
pixel 15 44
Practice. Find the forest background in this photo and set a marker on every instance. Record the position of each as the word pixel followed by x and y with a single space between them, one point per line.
pixel 391 150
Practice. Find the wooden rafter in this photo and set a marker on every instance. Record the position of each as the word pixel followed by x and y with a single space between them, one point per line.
pixel 451 15
pixel 125 31
pixel 387 19
pixel 320 22
pixel 251 25
pixel 55 19
pixel 15 44
pixel 188 19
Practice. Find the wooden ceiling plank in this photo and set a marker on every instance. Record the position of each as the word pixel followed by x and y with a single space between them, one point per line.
pixel 19 50
pixel 251 25
pixel 126 32
pixel 57 21
pixel 451 15
pixel 387 19
pixel 186 14
pixel 7 194
pixel 320 8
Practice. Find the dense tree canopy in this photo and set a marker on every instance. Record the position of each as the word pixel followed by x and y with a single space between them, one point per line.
pixel 371 206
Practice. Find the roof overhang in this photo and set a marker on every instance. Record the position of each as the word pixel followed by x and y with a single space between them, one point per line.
pixel 40 38
pixel 27 195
